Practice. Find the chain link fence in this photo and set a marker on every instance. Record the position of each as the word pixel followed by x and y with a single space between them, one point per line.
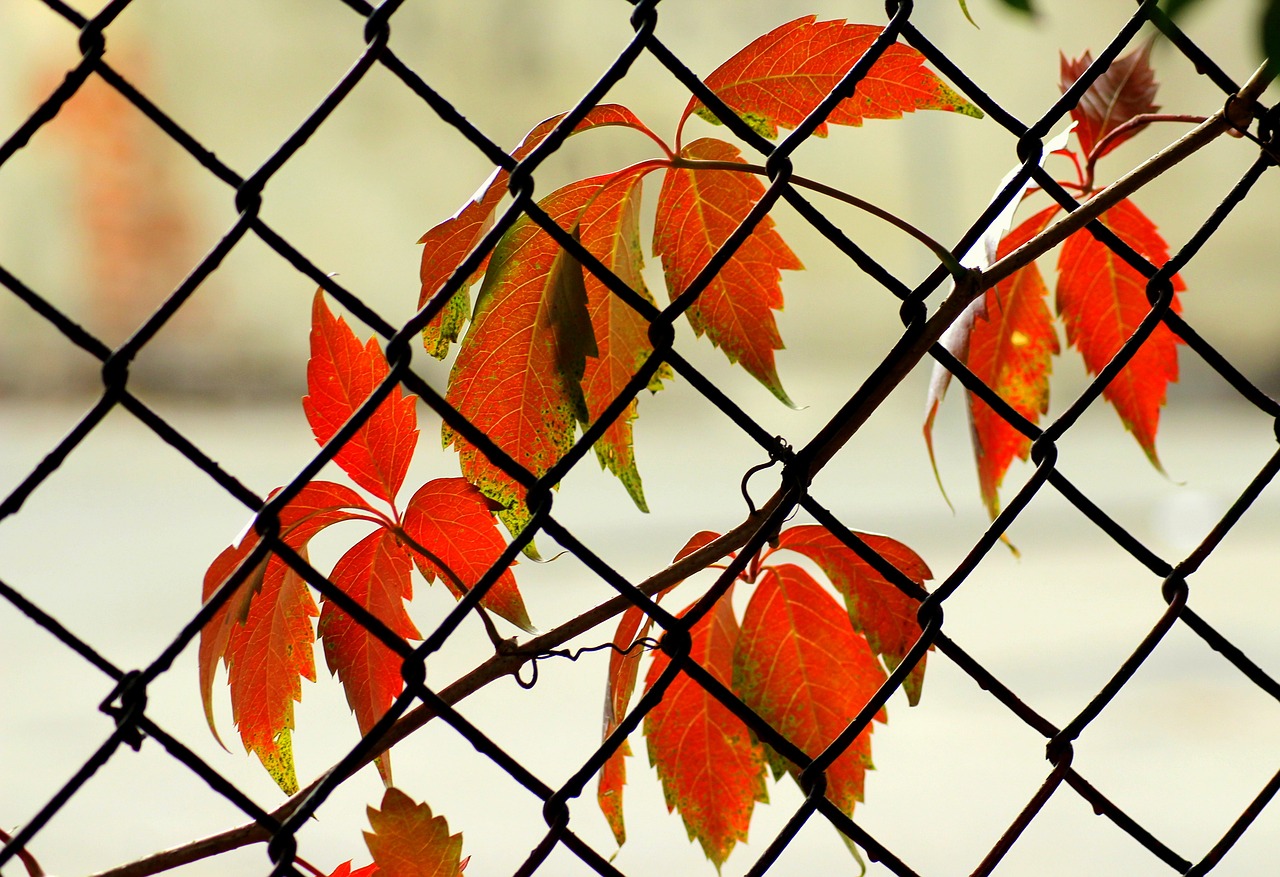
pixel 564 847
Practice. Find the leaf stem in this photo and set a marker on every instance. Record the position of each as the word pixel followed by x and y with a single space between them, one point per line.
pixel 953 266
pixel 1137 122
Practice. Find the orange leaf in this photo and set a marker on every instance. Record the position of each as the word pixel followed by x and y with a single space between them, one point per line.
pixel 447 244
pixel 697 211
pixel 877 607
pixel 263 633
pixel 1010 349
pixel 374 573
pixel 1102 299
pixel 624 668
pixel 803 669
pixel 341 375
pixel 782 76
pixel 452 520
pixel 710 767
pixel 611 232
pixel 518 374
pixel 1126 89
pixel 408 841
pixel 344 870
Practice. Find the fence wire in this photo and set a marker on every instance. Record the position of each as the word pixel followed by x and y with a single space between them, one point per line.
pixel 801 465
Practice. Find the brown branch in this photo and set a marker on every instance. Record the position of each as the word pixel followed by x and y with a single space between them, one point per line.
pixel 895 367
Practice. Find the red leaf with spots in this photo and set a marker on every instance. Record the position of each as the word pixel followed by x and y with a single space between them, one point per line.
pixel 1127 89
pixel 409 841
pixel 711 768
pixel 1102 299
pixel 452 536
pixel 341 376
pixel 800 665
pixel 518 376
pixel 447 244
pixel 610 230
pixel 697 212
pixel 375 574
pixel 877 608
pixel 781 77
pixel 263 633
pixel 1011 350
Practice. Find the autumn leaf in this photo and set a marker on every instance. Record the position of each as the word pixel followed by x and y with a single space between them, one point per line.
pixel 800 665
pixel 341 375
pixel 610 229
pixel 344 870
pixel 624 669
pixel 447 244
pixel 408 841
pixel 1127 89
pixel 711 769
pixel 451 519
pixel 1102 299
pixel 519 371
pixel 877 608
pixel 697 212
pixel 1010 350
pixel 263 634
pixel 375 574
pixel 781 77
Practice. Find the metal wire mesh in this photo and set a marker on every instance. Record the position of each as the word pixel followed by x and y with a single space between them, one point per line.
pixel 801 463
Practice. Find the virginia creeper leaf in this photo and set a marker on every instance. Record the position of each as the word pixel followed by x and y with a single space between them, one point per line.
pixel 781 77
pixel 800 665
pixel 451 519
pixel 267 657
pixel 374 573
pixel 1011 349
pixel 344 870
pixel 710 767
pixel 447 244
pixel 624 669
pixel 697 211
pixel 341 375
pixel 1102 299
pixel 877 607
pixel 610 226
pixel 1126 89
pixel 408 841
pixel 260 629
pixel 519 370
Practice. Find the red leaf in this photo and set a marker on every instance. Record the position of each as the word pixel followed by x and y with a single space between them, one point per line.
pixel 341 375
pixel 1102 299
pixel 803 669
pixel 344 870
pixel 1011 350
pixel 611 232
pixel 624 668
pixel 782 76
pixel 877 607
pixel 374 573
pixel 263 633
pixel 452 520
pixel 518 374
pixel 697 211
pixel 447 244
pixel 408 841
pixel 711 768
pixel 1126 89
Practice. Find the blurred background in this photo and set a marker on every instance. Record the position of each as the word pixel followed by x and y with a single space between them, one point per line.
pixel 103 215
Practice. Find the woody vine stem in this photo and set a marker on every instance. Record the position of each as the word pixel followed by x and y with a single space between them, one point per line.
pixel 1238 114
